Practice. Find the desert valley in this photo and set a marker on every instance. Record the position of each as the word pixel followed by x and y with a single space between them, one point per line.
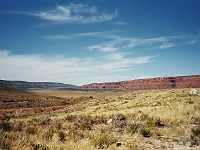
pixel 157 113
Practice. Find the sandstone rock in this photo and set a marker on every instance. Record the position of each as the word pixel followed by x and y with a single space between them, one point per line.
pixel 145 84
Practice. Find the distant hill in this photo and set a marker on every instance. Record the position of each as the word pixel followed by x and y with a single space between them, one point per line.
pixel 145 84
pixel 34 85
pixel 4 87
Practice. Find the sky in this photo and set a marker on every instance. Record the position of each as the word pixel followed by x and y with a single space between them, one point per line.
pixel 87 41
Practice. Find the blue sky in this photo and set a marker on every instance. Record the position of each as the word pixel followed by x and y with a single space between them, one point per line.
pixel 80 42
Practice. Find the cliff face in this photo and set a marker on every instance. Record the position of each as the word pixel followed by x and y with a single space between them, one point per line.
pixel 152 83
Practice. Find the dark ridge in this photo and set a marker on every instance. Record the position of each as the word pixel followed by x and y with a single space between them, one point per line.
pixel 4 87
pixel 36 85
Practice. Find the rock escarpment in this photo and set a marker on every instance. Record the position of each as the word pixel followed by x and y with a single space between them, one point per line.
pixel 145 84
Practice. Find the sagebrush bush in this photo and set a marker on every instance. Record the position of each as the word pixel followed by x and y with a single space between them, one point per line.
pixel 17 126
pixel 61 135
pixel 57 125
pixel 195 137
pixel 44 119
pixel 71 118
pixel 75 135
pixel 5 143
pixel 103 140
pixel 31 129
pixel 48 134
pixel 40 147
pixel 196 131
pixel 100 119
pixel 119 120
pixel 145 132
pixel 133 128
pixel 81 122
pixel 155 122
pixel 5 125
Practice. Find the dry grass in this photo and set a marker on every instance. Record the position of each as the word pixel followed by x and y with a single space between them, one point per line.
pixel 149 119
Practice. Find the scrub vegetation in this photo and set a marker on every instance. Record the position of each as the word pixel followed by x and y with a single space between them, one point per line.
pixel 128 120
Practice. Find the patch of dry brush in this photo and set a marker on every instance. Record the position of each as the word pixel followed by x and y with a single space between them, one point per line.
pixel 156 119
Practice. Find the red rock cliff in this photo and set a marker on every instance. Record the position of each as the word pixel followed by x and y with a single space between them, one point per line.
pixel 152 83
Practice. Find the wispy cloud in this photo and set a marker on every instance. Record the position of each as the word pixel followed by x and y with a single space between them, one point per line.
pixel 70 13
pixel 104 34
pixel 126 43
pixel 116 41
pixel 41 68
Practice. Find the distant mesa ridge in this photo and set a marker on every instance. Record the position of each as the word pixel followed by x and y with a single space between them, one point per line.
pixel 34 85
pixel 192 81
pixel 145 84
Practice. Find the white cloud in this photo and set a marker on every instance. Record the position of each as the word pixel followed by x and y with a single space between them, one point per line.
pixel 68 70
pixel 70 13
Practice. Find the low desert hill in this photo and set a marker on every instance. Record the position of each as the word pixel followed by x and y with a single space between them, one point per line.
pixel 36 85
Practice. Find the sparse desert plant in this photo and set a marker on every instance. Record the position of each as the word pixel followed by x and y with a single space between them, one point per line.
pixel 133 128
pixel 83 122
pixel 119 120
pixel 31 129
pixel 5 125
pixel 71 118
pixel 103 140
pixel 118 116
pixel 75 135
pixel 145 132
pixel 61 135
pixel 154 122
pixel 133 145
pixel 17 126
pixel 100 119
pixel 131 122
pixel 57 125
pixel 48 134
pixel 44 119
pixel 140 116
pixel 195 137
pixel 40 147
pixel 5 143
